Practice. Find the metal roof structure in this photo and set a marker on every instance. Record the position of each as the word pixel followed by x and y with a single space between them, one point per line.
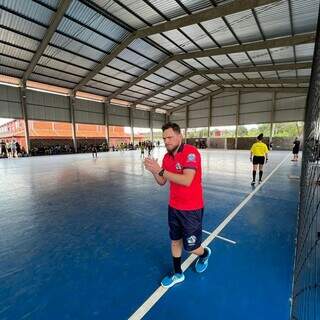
pixel 159 53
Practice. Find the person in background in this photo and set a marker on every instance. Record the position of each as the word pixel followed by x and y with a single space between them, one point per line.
pixel 296 149
pixel 258 156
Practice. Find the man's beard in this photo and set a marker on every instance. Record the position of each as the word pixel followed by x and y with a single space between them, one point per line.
pixel 174 149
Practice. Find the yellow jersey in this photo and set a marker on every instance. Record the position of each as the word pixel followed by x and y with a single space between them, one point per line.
pixel 259 149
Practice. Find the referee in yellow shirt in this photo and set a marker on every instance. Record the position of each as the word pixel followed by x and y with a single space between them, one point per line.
pixel 258 156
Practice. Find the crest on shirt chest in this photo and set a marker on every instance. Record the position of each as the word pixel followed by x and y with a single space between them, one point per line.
pixel 178 166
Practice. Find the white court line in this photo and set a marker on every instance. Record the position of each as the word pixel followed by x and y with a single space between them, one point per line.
pixel 158 293
pixel 221 238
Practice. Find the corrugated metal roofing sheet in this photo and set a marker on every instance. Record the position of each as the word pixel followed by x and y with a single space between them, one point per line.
pixel 260 56
pixel 150 85
pixel 102 86
pixel 56 74
pixel 120 13
pixel 21 25
pixel 178 67
pixel 208 62
pixel 194 63
pixel 90 17
pixel 10 71
pixel 44 79
pixel 282 54
pixel 304 52
pixel 52 3
pixel 69 57
pixel 240 59
pixel 305 15
pixel 29 9
pixel 220 32
pixel 109 80
pixel 107 71
pixel 196 5
pixel 146 49
pixel 199 36
pixel 304 72
pixel 223 60
pixel 244 26
pixel 136 59
pixel 162 41
pixel 274 19
pixel 75 46
pixel 119 64
pixel 157 79
pixel 171 9
pixel 63 66
pixel 182 41
pixel 164 72
pixel 19 40
pixel 14 63
pixel 83 34
pixel 17 53
pixel 143 91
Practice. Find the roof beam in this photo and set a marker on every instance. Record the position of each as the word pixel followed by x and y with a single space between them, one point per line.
pixel 253 46
pixel 283 90
pixel 211 94
pixel 57 17
pixel 259 45
pixel 260 68
pixel 220 11
pixel 205 15
pixel 105 61
pixel 288 90
pixel 236 82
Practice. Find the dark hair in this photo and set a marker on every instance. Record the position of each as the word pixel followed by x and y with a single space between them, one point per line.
pixel 260 136
pixel 170 125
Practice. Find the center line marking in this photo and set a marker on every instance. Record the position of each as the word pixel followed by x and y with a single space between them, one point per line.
pixel 221 238
pixel 158 293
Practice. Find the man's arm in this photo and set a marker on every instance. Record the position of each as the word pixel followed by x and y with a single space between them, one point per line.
pixel 184 179
pixel 160 180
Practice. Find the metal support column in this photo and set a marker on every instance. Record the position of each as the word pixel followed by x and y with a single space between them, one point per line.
pixel 132 122
pixel 237 121
pixel 23 99
pixel 151 114
pixel 274 97
pixel 210 115
pixel 73 124
pixel 106 120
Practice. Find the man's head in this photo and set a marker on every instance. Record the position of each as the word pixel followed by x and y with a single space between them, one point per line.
pixel 260 137
pixel 171 136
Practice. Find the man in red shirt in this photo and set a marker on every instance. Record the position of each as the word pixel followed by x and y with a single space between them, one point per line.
pixel 181 166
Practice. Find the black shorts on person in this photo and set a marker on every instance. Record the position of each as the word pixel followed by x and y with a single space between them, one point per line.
pixel 186 225
pixel 258 160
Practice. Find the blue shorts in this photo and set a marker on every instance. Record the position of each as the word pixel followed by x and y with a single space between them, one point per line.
pixel 186 225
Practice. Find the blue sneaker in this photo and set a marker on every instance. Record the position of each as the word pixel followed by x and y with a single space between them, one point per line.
pixel 172 279
pixel 202 263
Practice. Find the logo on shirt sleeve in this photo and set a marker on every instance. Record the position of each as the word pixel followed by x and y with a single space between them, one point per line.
pixel 191 157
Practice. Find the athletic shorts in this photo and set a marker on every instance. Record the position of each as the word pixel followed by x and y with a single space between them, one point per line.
pixel 186 225
pixel 258 160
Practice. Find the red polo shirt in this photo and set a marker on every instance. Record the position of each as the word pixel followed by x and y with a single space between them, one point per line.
pixel 181 197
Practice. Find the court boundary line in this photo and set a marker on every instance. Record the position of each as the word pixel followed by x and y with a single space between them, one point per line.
pixel 220 237
pixel 160 291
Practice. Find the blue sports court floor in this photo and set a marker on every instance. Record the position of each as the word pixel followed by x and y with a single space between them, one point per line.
pixel 88 239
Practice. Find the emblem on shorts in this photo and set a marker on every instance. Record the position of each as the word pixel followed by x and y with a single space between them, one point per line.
pixel 192 240
pixel 191 157
pixel 178 166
